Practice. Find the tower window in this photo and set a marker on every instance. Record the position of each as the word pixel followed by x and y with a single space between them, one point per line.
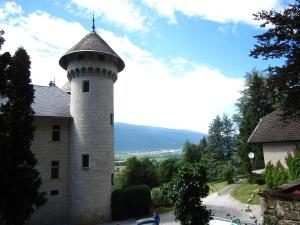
pixel 112 179
pixel 111 119
pixel 55 132
pixel 54 169
pixel 86 86
pixel 54 192
pixel 80 57
pixel 85 161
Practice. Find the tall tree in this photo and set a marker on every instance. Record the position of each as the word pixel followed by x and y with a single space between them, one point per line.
pixel 20 181
pixel 228 135
pixel 1 38
pixel 282 40
pixel 215 138
pixel 191 153
pixel 253 105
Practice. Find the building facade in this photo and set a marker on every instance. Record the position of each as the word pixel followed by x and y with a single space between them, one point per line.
pixel 74 136
pixel 279 136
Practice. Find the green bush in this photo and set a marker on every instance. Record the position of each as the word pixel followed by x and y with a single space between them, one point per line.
pixel 228 173
pixel 256 178
pixel 275 175
pixel 293 163
pixel 132 201
pixel 159 199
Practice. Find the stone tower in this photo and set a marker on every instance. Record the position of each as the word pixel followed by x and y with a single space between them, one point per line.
pixel 92 68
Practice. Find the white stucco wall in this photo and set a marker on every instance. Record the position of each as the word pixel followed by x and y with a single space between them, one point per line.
pixel 274 152
pixel 46 150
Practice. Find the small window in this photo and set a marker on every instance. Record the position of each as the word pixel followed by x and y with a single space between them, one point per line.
pixel 85 86
pixel 112 179
pixel 54 169
pixel 85 161
pixel 54 192
pixel 111 119
pixel 55 133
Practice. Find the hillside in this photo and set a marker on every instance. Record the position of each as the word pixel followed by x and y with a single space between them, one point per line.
pixel 133 138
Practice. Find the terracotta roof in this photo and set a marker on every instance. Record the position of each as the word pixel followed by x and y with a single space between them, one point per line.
pixel 273 128
pixel 92 42
pixel 50 102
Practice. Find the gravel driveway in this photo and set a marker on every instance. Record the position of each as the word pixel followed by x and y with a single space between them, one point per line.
pixel 222 205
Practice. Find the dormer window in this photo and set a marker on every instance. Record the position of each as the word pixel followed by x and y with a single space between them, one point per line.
pixel 86 86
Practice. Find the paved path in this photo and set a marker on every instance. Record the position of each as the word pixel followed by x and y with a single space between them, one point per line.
pixel 225 206
pixel 222 205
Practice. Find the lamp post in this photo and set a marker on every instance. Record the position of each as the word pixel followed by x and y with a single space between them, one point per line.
pixel 251 156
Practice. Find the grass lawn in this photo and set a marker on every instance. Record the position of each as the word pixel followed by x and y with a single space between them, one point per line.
pixel 216 186
pixel 161 210
pixel 244 192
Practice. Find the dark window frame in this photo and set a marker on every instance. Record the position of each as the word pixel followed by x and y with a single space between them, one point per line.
pixel 56 132
pixel 54 192
pixel 54 169
pixel 86 86
pixel 85 161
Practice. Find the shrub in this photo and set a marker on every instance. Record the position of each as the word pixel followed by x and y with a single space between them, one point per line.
pixel 228 173
pixel 159 199
pixel 293 163
pixel 275 175
pixel 256 178
pixel 131 202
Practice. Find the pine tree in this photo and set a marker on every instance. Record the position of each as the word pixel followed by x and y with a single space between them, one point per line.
pixel 282 40
pixel 20 181
pixel 252 106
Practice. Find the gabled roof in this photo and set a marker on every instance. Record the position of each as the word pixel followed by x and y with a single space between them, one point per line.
pixel 92 42
pixel 273 128
pixel 50 102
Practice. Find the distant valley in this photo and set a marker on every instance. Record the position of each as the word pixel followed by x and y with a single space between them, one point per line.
pixel 131 138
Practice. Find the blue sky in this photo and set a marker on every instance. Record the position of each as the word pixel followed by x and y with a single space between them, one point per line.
pixel 185 59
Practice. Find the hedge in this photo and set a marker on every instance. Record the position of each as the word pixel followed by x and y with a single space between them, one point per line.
pixel 132 201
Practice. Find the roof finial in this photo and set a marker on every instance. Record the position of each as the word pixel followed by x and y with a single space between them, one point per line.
pixel 93 23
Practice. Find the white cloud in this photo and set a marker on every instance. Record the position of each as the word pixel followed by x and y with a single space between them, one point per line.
pixel 174 93
pixel 123 13
pixel 214 10
pixel 150 92
pixel 10 8
pixel 45 38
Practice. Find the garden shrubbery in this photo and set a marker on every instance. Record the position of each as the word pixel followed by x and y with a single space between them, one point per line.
pixel 159 198
pixel 132 201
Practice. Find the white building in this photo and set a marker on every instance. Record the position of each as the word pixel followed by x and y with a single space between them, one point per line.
pixel 74 136
pixel 278 136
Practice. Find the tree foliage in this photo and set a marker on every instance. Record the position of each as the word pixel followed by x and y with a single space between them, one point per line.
pixel 166 169
pixel 282 40
pixel 252 106
pixel 186 189
pixel 20 181
pixel 140 171
pixel 191 153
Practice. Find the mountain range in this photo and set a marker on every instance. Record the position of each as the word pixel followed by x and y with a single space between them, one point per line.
pixel 139 138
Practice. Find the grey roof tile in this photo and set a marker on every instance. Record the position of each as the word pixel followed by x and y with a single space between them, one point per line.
pixel 273 128
pixel 92 42
pixel 50 102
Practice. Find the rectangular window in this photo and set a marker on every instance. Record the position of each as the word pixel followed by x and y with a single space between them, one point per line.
pixel 54 192
pixel 85 161
pixel 54 169
pixel 101 57
pixel 112 179
pixel 111 119
pixel 85 86
pixel 55 133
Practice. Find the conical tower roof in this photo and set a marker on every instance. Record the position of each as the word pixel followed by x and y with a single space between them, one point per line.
pixel 92 42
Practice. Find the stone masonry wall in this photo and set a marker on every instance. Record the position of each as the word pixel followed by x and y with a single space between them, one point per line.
pixel 280 212
pixel 55 211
